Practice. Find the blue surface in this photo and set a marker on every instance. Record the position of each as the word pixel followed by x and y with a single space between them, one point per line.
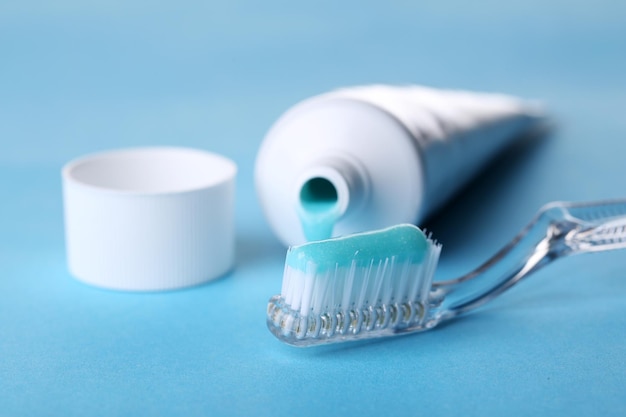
pixel 78 77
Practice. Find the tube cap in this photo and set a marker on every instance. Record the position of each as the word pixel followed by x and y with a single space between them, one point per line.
pixel 148 219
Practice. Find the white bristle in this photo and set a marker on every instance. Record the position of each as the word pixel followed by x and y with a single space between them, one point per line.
pixel 313 290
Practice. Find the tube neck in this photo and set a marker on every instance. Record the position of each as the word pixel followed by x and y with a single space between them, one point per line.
pixel 327 191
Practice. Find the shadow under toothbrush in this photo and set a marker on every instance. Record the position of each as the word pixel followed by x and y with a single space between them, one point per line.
pixel 473 326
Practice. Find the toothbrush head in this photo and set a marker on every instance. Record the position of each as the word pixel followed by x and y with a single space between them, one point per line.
pixel 361 286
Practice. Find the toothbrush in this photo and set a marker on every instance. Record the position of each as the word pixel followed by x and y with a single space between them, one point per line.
pixel 380 283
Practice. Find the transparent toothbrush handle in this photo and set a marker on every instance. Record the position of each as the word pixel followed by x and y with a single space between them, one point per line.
pixel 558 230
pixel 601 226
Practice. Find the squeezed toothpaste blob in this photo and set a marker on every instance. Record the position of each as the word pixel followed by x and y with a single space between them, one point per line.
pixel 319 209
pixel 404 240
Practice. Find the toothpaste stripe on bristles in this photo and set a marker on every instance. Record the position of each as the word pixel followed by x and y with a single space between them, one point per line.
pixel 357 273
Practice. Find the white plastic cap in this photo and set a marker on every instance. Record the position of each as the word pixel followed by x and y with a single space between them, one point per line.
pixel 149 219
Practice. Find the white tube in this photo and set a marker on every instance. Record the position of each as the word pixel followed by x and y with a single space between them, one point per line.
pixel 378 156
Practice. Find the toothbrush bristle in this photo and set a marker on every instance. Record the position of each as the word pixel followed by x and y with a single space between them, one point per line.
pixel 325 299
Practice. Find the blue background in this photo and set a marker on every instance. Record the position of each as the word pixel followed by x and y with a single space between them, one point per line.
pixel 78 77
